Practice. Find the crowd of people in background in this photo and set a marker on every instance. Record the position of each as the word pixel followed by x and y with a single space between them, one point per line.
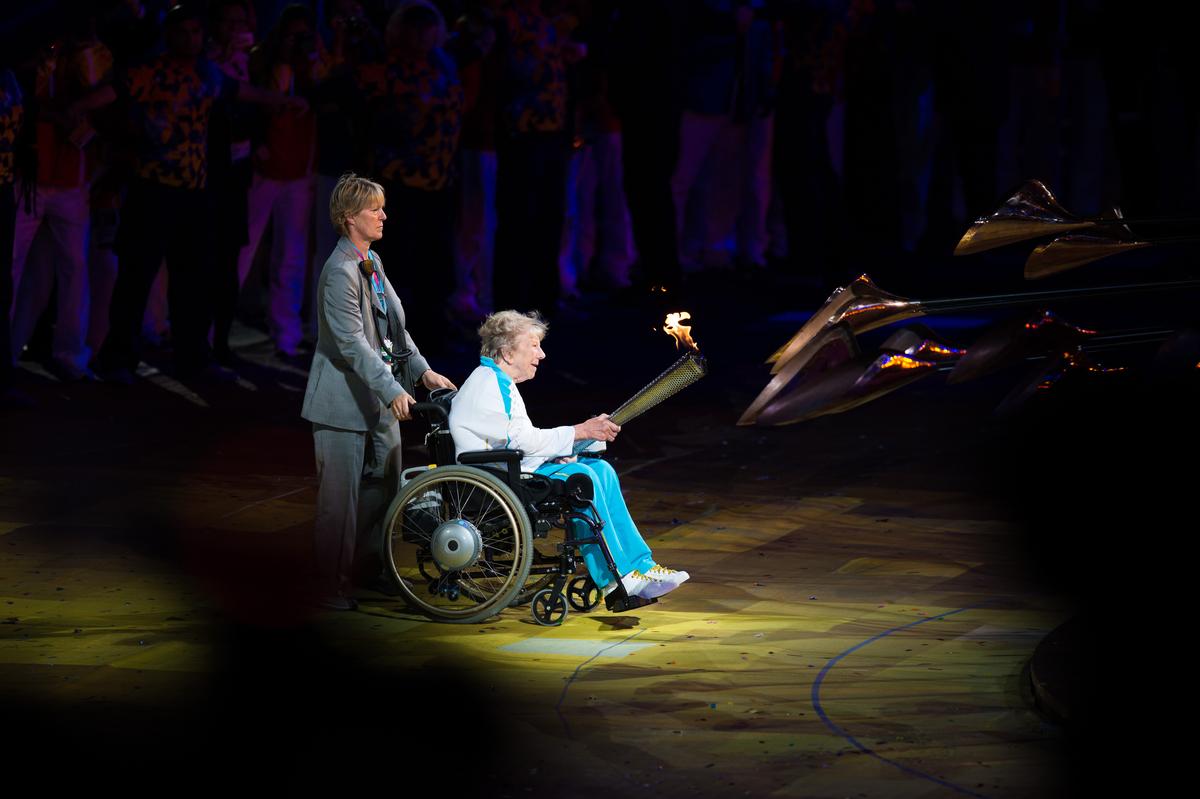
pixel 154 157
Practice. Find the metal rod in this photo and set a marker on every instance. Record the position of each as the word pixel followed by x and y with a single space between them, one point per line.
pixel 1096 344
pixel 1154 241
pixel 1038 297
pixel 1117 220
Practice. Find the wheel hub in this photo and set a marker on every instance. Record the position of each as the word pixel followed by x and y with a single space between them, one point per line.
pixel 456 545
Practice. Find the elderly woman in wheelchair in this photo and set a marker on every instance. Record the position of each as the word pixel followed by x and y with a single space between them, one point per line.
pixel 460 538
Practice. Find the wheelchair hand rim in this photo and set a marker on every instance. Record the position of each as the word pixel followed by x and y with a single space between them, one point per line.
pixel 494 575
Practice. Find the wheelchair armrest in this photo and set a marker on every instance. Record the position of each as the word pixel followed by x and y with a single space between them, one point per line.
pixel 578 488
pixel 511 457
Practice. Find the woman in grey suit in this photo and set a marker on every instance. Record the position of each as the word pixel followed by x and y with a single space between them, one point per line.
pixel 361 383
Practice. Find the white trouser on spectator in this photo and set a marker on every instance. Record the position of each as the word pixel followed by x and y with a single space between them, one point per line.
pixel 288 204
pixel 475 233
pixel 156 322
pixel 747 148
pixel 597 222
pixel 752 237
pixel 579 222
pixel 65 214
pixel 102 274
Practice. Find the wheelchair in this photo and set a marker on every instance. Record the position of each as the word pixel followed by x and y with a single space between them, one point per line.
pixel 470 535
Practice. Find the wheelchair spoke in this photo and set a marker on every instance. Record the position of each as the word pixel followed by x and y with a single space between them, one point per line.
pixel 462 503
pixel 450 501
pixel 491 570
pixel 494 513
pixel 489 513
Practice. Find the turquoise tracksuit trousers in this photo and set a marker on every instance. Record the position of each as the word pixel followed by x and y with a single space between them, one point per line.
pixel 629 550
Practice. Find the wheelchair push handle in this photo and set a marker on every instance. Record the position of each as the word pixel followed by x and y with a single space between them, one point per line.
pixel 436 412
pixel 438 405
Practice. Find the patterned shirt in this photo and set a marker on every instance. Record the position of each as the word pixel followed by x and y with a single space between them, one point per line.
pixel 64 159
pixel 12 109
pixel 171 103
pixel 418 119
pixel 536 77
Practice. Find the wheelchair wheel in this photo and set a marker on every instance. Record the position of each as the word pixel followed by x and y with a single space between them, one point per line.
pixel 458 543
pixel 549 608
pixel 583 594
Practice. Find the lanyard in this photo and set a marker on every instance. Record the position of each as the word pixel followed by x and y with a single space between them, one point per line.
pixel 376 281
pixel 377 284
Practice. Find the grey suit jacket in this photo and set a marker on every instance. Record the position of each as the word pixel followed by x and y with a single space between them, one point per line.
pixel 349 385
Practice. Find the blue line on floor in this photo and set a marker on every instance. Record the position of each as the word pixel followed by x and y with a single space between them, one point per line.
pixel 571 679
pixel 816 701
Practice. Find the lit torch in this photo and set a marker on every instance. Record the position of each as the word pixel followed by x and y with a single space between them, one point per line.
pixel 680 332
pixel 690 367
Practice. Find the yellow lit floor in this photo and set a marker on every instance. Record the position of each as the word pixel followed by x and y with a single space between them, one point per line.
pixel 865 643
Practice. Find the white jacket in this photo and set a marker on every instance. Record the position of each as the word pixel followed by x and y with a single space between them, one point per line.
pixel 488 413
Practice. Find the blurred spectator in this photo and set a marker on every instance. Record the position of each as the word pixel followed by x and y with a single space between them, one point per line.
pixel 167 213
pixel 728 103
pixel 597 241
pixel 1088 173
pixel 12 111
pixel 54 193
pixel 104 201
pixel 811 195
pixel 473 49
pixel 912 93
pixel 1150 63
pixel 229 166
pixel 354 41
pixel 281 191
pixel 132 28
pixel 872 159
pixel 645 80
pixel 1031 138
pixel 970 80
pixel 416 102
pixel 533 145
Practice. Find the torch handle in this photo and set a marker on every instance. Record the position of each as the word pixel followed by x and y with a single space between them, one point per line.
pixel 681 374
pixel 582 444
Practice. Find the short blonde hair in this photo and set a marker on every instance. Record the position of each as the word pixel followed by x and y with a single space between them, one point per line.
pixel 351 195
pixel 501 330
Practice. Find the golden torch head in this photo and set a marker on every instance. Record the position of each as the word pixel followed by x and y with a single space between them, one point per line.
pixel 681 374
pixel 690 367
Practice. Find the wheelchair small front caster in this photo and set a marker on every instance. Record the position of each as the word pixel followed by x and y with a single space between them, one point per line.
pixel 452 593
pixel 549 608
pixel 583 594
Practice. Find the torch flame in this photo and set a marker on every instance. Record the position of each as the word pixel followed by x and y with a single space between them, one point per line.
pixel 680 332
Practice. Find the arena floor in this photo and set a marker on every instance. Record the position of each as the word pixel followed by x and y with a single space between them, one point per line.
pixel 859 622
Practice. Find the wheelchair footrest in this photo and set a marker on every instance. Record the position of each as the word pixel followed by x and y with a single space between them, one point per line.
pixel 619 604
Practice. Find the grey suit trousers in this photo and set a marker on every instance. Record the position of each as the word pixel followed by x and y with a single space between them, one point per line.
pixel 349 510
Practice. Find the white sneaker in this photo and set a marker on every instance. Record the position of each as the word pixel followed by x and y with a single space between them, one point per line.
pixel 635 583
pixel 647 587
pixel 674 576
